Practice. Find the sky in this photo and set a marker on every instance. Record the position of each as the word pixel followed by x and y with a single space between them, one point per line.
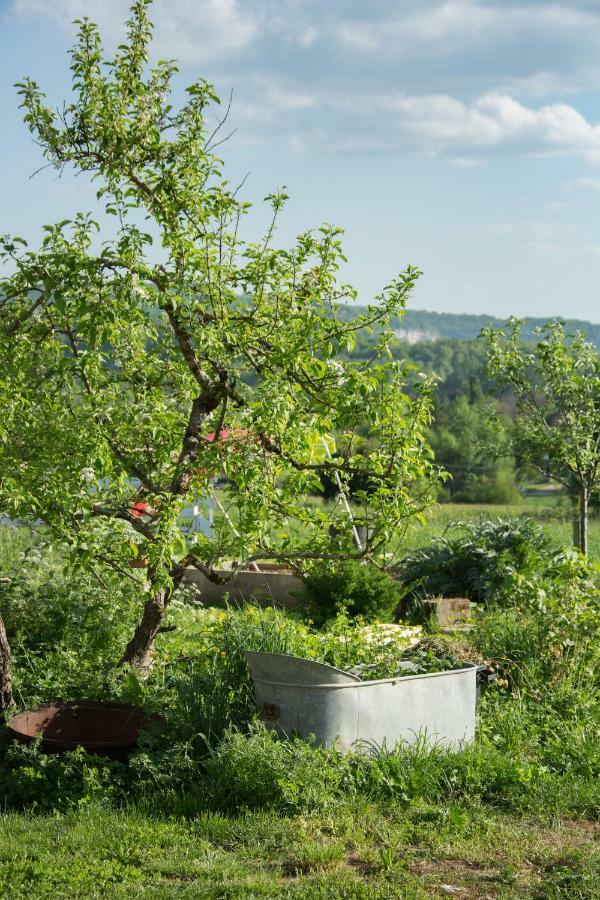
pixel 461 136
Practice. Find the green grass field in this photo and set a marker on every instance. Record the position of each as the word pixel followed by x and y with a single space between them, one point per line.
pixel 367 852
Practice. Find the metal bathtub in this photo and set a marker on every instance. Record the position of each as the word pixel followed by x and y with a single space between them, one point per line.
pixel 299 696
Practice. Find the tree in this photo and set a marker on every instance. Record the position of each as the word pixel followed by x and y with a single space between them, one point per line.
pixel 462 439
pixel 131 376
pixel 556 424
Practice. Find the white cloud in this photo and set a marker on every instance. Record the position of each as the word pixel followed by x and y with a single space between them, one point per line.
pixel 462 21
pixel 189 30
pixel 307 37
pixel 587 183
pixel 273 101
pixel 265 43
pixel 495 121
pixel 424 25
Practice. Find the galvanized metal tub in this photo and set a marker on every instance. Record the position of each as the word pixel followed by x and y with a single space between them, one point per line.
pixel 299 696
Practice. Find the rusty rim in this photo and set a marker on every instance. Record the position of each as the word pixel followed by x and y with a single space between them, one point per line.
pixel 88 724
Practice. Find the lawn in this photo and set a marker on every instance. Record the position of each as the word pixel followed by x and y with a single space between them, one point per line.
pixel 365 851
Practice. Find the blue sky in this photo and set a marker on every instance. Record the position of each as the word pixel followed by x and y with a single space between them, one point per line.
pixel 460 136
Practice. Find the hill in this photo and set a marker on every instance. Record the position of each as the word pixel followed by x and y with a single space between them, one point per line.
pixel 422 325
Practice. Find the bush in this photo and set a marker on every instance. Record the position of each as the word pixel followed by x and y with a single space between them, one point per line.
pixel 475 560
pixel 357 589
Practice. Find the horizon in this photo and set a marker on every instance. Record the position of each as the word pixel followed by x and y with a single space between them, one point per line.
pixel 461 137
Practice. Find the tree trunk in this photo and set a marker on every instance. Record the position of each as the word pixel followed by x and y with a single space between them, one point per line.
pixel 583 521
pixel 575 523
pixel 139 651
pixel 5 671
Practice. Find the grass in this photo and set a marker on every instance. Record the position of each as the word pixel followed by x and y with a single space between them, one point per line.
pixel 362 852
pixel 516 816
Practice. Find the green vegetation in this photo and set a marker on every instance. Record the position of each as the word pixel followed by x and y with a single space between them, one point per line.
pixel 128 384
pixel 215 806
pixel 350 588
pixel 489 562
pixel 556 424
pixel 552 513
pixel 362 851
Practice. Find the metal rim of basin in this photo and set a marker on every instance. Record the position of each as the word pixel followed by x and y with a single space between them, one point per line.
pixel 30 724
pixel 358 683
pixel 398 679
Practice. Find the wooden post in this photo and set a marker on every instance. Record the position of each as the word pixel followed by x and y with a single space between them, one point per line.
pixel 5 666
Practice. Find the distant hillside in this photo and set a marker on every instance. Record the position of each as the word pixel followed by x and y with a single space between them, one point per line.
pixel 421 325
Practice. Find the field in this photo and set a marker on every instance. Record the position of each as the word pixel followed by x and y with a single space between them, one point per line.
pixel 515 816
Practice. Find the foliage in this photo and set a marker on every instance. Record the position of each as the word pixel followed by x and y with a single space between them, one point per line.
pixel 536 750
pixel 489 561
pixel 127 383
pixel 30 779
pixel 353 588
pixel 257 770
pixel 462 438
pixel 557 419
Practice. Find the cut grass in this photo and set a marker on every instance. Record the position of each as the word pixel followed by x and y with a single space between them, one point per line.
pixel 366 852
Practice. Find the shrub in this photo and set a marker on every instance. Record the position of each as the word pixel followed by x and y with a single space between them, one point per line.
pixel 473 559
pixel 353 588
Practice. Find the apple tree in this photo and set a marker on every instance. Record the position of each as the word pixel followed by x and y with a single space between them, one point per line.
pixel 556 425
pixel 141 358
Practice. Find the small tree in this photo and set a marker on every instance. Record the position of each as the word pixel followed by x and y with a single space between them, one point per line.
pixel 556 424
pixel 131 377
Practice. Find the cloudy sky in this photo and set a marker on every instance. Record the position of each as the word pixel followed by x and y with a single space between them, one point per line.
pixel 460 136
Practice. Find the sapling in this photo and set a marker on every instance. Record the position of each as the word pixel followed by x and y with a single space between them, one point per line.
pixel 556 425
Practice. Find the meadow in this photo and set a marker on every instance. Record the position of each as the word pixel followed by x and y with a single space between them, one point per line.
pixel 215 807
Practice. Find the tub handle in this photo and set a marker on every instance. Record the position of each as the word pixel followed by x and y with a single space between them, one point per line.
pixel 485 676
pixel 270 711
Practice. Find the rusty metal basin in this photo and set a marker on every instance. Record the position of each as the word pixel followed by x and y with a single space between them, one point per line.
pixel 107 729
